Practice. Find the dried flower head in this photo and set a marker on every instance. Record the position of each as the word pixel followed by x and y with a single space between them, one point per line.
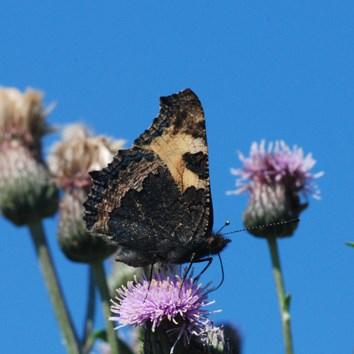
pixel 70 162
pixel 78 153
pixel 166 303
pixel 277 178
pixel 27 192
pixel 22 118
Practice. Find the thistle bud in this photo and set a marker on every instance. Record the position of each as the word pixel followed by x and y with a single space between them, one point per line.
pixel 121 274
pixel 70 161
pixel 27 193
pixel 279 182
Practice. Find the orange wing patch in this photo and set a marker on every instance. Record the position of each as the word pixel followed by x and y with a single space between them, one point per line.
pixel 171 148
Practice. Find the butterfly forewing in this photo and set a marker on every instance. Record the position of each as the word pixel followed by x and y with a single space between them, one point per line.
pixel 154 199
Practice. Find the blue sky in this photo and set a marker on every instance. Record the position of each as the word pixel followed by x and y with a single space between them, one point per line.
pixel 274 70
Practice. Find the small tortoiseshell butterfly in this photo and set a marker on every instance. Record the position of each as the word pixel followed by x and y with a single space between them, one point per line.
pixel 153 201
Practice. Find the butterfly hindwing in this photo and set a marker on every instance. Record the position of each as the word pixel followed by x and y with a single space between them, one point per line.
pixel 109 186
pixel 138 204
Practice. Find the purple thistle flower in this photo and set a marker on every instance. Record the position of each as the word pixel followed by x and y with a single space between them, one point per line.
pixel 165 301
pixel 276 177
pixel 278 164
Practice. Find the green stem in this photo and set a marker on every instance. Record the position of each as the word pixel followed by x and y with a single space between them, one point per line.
pixel 87 340
pixel 283 298
pixel 53 286
pixel 101 282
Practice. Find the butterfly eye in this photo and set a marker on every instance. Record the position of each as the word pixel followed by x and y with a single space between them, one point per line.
pixel 214 242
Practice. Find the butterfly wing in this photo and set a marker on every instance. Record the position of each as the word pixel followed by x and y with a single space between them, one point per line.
pixel 178 137
pixel 154 200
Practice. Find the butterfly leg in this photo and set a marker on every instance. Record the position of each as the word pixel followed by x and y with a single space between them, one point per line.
pixel 222 275
pixel 209 260
pixel 150 280
pixel 187 271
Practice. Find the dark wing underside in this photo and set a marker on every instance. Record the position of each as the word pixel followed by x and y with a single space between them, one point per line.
pixel 154 200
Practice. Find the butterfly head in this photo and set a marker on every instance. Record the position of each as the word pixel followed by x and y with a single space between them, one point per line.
pixel 215 243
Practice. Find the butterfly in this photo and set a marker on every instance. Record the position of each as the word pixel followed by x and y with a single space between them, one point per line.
pixel 153 200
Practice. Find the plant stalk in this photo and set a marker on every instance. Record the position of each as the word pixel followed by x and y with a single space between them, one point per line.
pixel 54 288
pixel 283 298
pixel 101 283
pixel 87 340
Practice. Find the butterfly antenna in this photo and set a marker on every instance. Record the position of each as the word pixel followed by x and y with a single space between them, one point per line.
pixel 226 223
pixel 263 226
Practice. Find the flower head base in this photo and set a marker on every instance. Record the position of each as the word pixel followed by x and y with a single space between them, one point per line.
pixel 233 340
pixel 277 178
pixel 70 162
pixel 168 302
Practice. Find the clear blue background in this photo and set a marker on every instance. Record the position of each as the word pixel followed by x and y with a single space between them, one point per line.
pixel 274 70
